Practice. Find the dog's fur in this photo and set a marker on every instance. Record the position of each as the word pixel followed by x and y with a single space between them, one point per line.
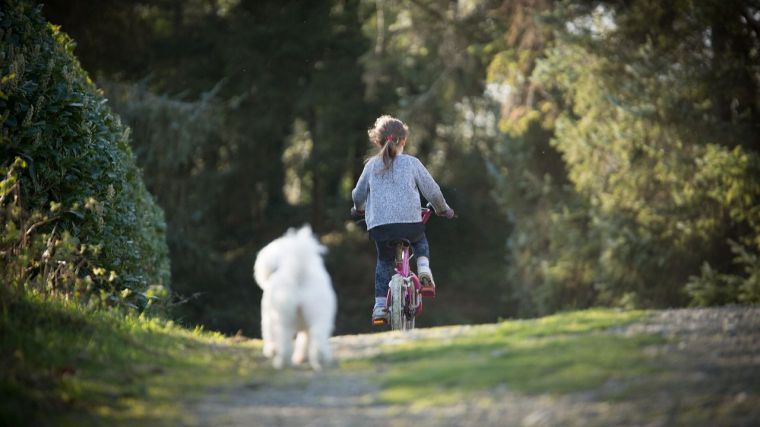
pixel 298 299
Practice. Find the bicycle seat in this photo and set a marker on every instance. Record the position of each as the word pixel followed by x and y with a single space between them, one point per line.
pixel 395 242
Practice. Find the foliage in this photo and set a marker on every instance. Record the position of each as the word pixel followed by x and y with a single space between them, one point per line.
pixel 714 288
pixel 216 158
pixel 180 146
pixel 657 174
pixel 267 129
pixel 76 216
pixel 598 152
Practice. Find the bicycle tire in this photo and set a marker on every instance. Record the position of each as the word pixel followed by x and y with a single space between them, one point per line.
pixel 396 309
pixel 410 299
pixel 408 322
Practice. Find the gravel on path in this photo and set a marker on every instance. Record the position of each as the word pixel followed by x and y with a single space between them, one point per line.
pixel 712 357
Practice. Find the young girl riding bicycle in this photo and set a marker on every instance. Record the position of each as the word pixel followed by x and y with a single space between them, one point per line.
pixel 388 192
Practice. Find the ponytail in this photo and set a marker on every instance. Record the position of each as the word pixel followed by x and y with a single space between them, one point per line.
pixel 387 135
pixel 389 151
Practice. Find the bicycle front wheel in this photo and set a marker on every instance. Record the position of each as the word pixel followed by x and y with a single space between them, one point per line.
pixel 397 318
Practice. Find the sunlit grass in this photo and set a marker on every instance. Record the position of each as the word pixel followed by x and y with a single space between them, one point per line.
pixel 564 353
pixel 84 367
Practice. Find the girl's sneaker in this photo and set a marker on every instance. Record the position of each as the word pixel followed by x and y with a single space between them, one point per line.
pixel 379 315
pixel 426 279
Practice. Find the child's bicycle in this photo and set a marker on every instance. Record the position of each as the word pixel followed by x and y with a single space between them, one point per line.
pixel 405 292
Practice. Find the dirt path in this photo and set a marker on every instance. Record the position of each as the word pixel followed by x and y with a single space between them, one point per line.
pixel 712 357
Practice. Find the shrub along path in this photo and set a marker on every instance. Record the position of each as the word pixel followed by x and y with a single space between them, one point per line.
pixel 598 367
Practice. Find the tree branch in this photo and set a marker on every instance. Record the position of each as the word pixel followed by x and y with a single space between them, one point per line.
pixel 40 224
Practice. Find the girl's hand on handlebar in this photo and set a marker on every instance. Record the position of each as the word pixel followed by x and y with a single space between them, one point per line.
pixel 356 213
pixel 449 214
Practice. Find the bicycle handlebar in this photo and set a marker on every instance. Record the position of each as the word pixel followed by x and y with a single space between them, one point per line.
pixel 356 213
pixel 429 207
pixel 427 212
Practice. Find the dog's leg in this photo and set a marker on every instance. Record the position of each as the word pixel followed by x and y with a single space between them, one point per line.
pixel 301 347
pixel 319 348
pixel 325 352
pixel 267 335
pixel 284 343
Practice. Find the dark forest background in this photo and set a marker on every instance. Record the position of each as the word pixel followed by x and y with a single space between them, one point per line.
pixel 597 152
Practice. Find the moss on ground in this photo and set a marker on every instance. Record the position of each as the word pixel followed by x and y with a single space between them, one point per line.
pixel 61 364
pixel 569 352
pixel 65 365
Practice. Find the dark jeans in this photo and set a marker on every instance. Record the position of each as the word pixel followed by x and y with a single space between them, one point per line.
pixel 386 261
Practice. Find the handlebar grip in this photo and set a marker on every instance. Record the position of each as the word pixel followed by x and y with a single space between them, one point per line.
pixel 356 213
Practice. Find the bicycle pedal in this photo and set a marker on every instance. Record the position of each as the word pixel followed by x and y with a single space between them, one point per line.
pixel 428 292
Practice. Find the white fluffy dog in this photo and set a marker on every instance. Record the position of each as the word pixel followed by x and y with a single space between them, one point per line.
pixel 298 299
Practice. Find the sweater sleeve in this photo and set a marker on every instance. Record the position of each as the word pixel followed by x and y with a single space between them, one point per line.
pixel 429 188
pixel 360 193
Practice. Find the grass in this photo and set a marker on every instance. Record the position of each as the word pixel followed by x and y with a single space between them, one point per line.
pixel 564 353
pixel 66 365
pixel 61 364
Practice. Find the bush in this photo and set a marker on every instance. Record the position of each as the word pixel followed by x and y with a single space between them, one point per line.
pixel 714 288
pixel 78 219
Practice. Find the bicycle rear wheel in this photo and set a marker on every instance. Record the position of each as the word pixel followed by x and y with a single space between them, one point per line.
pixel 408 323
pixel 410 303
pixel 396 309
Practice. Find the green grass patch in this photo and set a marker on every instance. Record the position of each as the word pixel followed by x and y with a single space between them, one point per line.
pixel 63 364
pixel 564 353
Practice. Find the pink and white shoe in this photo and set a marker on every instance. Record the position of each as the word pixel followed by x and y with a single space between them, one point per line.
pixel 426 279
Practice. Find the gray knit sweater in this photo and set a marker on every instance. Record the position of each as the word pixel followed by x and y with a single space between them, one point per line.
pixel 393 196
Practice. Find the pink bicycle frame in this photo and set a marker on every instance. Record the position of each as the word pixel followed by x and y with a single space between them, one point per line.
pixel 403 266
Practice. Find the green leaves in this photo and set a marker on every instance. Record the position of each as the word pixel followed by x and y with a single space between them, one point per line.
pixel 658 150
pixel 75 155
pixel 10 177
pixel 714 288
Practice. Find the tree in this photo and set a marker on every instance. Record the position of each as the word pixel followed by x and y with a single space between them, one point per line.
pixel 655 162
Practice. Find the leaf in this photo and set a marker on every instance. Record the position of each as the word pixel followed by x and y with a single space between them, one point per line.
pixel 75 214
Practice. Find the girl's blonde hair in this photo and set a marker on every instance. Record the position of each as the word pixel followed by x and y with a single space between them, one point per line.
pixel 387 134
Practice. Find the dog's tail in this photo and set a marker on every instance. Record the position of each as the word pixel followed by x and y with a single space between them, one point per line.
pixel 266 263
pixel 302 250
pixel 292 253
